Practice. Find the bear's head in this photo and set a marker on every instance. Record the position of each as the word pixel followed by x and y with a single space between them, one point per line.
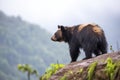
pixel 61 34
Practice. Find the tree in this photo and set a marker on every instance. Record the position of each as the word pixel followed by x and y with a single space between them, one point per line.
pixel 28 69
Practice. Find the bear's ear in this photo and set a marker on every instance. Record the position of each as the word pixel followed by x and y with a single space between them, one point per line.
pixel 61 27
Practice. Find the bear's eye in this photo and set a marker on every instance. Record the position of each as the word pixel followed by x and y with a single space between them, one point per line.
pixel 55 34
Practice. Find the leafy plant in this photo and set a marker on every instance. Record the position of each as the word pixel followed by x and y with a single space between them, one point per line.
pixel 91 70
pixel 110 68
pixel 111 48
pixel 28 69
pixel 51 70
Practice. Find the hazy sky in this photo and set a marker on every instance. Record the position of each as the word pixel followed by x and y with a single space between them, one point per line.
pixel 49 13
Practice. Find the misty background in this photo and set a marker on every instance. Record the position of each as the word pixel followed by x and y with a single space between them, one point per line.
pixel 50 13
pixel 26 27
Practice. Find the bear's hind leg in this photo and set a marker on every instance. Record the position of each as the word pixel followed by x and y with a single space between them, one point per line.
pixel 88 54
pixel 97 52
pixel 103 49
pixel 103 46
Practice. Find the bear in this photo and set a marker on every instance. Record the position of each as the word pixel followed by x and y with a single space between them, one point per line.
pixel 89 37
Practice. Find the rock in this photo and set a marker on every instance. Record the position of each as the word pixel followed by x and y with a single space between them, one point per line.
pixel 103 67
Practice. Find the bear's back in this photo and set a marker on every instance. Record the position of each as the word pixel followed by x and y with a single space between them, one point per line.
pixel 89 28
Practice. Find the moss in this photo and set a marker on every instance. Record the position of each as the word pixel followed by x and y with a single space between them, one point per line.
pixel 63 78
pixel 91 70
pixel 70 72
pixel 81 70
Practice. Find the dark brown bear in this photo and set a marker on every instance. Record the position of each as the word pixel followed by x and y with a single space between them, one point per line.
pixel 89 37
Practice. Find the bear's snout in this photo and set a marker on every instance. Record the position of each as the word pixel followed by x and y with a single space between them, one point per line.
pixel 53 38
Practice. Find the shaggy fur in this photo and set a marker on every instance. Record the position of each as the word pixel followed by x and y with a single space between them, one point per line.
pixel 89 37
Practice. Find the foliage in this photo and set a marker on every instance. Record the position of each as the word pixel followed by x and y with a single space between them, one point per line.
pixel 110 68
pixel 26 43
pixel 111 48
pixel 28 69
pixel 51 70
pixel 91 70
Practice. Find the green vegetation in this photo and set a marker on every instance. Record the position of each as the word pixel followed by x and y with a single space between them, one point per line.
pixel 63 78
pixel 81 70
pixel 24 43
pixel 91 70
pixel 51 70
pixel 110 68
pixel 27 68
pixel 111 48
pixel 70 72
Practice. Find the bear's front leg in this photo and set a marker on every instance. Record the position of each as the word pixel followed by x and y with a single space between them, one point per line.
pixel 74 53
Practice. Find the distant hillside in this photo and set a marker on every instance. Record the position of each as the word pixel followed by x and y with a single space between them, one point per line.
pixel 24 43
